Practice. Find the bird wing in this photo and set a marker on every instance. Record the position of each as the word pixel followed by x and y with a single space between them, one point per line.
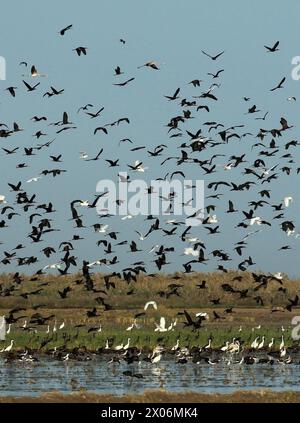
pixel 27 85
pixel 188 317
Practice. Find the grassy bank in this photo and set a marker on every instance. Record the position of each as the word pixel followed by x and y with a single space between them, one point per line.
pixel 127 300
pixel 243 323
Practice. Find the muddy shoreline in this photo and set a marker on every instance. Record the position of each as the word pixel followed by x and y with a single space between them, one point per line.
pixel 160 396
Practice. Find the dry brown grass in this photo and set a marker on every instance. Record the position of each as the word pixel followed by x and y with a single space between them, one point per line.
pixel 147 288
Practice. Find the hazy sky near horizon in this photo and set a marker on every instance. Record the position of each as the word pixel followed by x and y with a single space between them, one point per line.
pixel 172 33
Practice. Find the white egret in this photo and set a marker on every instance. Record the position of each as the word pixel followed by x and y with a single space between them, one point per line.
pixel 141 236
pixel 212 219
pixel 261 344
pixel 156 359
pixel 84 203
pixel 256 220
pixel 203 315
pixel 225 347
pixel 208 346
pixel 283 352
pixel 281 346
pixel 52 266
pixel 83 155
pixel 66 357
pixel 9 348
pixel 278 275
pixel 126 217
pixel 125 347
pixel 254 344
pixel 137 167
pixel 34 179
pixel 176 346
pixel 189 251
pixel 150 303
pixel 119 347
pixel 287 201
pixel 162 325
pixel 271 343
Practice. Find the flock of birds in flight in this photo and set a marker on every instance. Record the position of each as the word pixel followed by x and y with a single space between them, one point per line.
pixel 193 146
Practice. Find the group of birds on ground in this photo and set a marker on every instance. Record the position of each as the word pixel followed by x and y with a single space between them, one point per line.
pixel 208 354
pixel 199 148
pixel 232 353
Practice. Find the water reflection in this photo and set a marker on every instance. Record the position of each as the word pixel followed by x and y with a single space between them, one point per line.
pixel 32 379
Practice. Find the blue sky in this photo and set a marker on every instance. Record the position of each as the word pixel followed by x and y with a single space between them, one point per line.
pixel 173 33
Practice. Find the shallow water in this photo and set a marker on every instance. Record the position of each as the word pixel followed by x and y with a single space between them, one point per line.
pixel 33 379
